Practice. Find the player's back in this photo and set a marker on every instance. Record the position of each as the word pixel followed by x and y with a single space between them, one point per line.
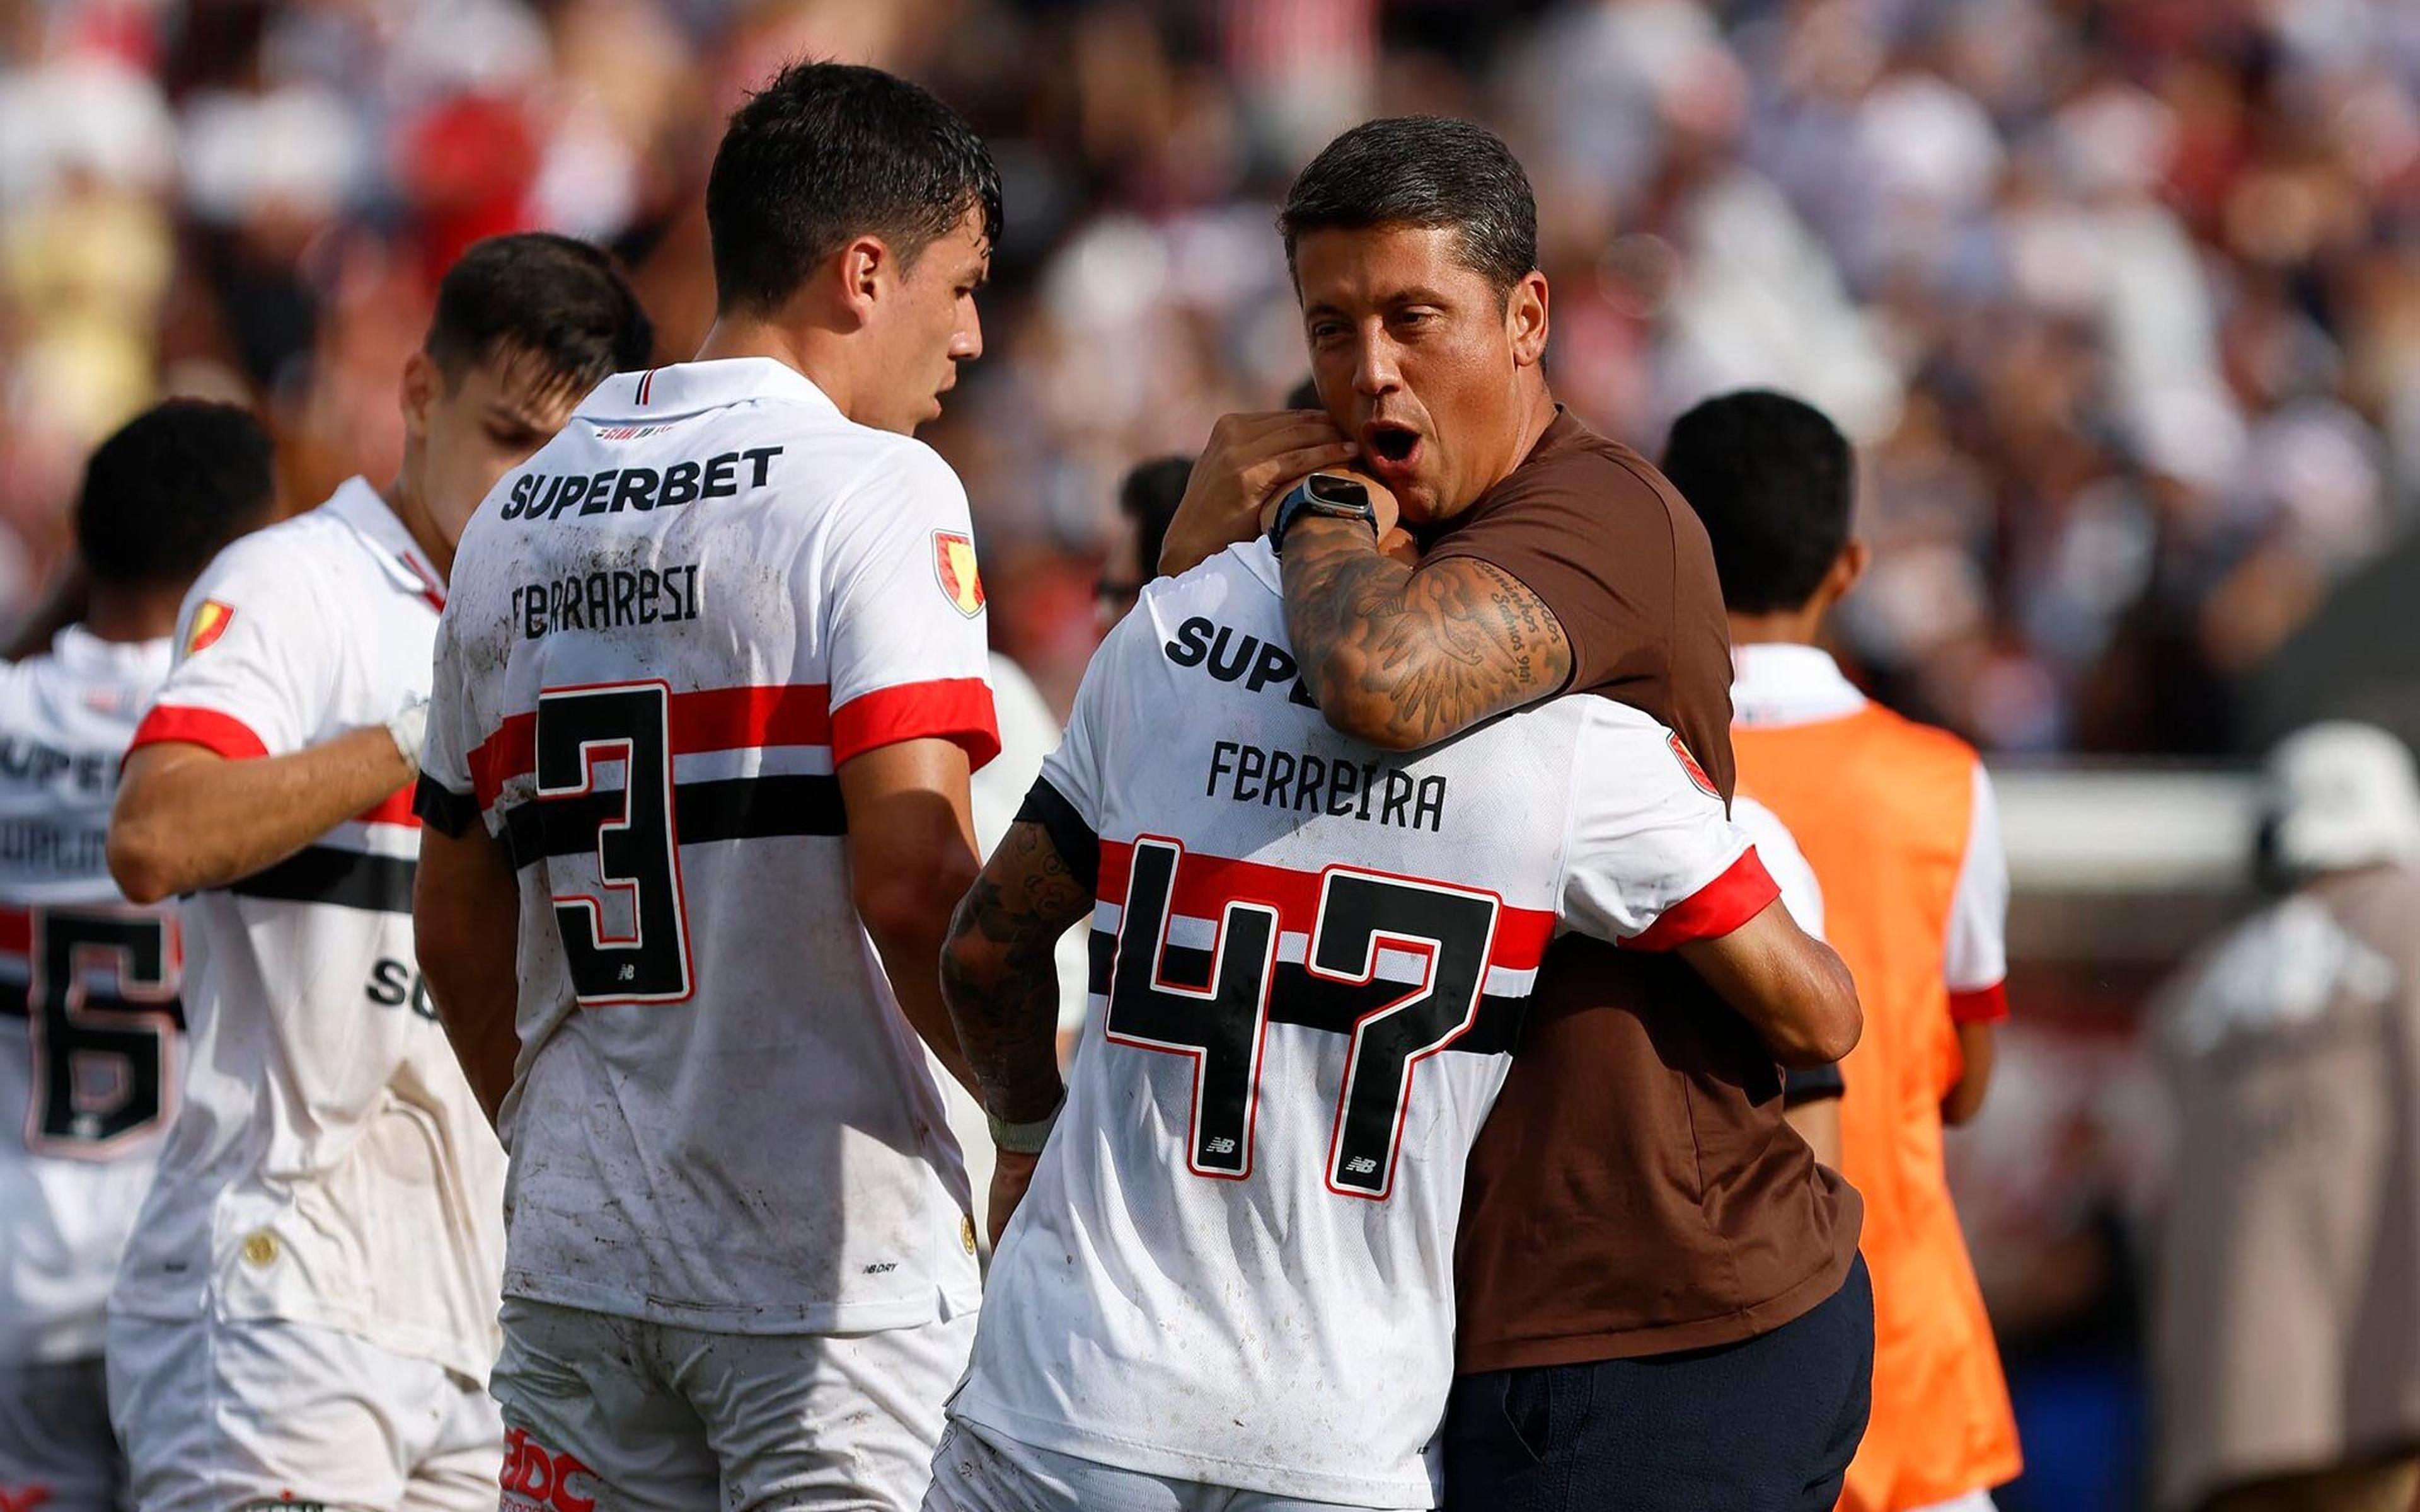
pixel 90 1020
pixel 1310 958
pixel 1884 809
pixel 669 629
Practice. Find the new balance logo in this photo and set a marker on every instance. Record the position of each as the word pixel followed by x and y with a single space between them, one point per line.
pixel 537 1479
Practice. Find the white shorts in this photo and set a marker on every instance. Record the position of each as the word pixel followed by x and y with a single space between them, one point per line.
pixel 647 1417
pixel 979 1470
pixel 56 1451
pixel 218 1414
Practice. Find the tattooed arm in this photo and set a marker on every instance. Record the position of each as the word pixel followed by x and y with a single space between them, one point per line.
pixel 1001 982
pixel 1403 656
pixel 999 975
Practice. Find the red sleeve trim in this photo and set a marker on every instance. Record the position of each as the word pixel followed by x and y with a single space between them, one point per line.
pixel 1989 1005
pixel 1742 891
pixel 394 808
pixel 223 733
pixel 957 709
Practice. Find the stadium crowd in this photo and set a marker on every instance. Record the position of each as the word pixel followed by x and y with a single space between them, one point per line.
pixel 2121 301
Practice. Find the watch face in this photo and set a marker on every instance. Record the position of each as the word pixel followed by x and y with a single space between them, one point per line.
pixel 1331 489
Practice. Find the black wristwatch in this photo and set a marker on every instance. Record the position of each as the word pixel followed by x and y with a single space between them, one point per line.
pixel 1323 493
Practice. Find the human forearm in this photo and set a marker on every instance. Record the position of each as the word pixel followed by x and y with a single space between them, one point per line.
pixel 1000 973
pixel 1977 1046
pixel 466 921
pixel 1792 988
pixel 1404 657
pixel 909 932
pixel 187 819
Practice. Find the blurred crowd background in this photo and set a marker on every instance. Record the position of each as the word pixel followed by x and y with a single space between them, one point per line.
pixel 2120 299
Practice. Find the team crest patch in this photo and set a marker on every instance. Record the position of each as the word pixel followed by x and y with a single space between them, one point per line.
pixel 1689 764
pixel 210 622
pixel 953 564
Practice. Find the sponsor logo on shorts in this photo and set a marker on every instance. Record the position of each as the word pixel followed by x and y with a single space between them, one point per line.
pixel 24 1498
pixel 537 1479
pixel 284 1501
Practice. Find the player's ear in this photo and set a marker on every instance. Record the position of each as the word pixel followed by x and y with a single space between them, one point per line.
pixel 1525 319
pixel 864 267
pixel 422 383
pixel 1848 567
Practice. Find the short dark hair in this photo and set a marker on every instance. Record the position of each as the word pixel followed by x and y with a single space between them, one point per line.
pixel 1422 171
pixel 1148 496
pixel 1775 482
pixel 170 489
pixel 829 151
pixel 543 298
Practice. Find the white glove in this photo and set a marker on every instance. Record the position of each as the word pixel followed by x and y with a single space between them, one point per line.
pixel 409 725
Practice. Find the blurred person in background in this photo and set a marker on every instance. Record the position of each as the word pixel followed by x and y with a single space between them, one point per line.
pixel 307 1311
pixel 1148 497
pixel 91 1043
pixel 1899 824
pixel 2287 1300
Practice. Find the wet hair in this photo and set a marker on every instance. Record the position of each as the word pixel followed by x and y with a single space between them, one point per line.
pixel 541 298
pixel 169 490
pixel 1422 171
pixel 1774 481
pixel 831 152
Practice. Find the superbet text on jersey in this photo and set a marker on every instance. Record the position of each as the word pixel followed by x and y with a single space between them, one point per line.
pixel 667 632
pixel 329 1166
pixel 1309 957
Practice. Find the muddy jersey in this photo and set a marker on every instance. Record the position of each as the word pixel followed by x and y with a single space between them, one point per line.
pixel 669 631
pixel 1236 1264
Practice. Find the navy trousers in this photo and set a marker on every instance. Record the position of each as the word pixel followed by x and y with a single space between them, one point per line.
pixel 1767 1424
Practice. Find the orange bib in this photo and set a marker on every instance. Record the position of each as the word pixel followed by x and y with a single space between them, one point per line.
pixel 1881 808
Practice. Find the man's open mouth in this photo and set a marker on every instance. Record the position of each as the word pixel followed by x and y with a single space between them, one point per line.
pixel 1389 445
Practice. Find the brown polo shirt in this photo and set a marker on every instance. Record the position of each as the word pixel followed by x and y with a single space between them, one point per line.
pixel 1635 1191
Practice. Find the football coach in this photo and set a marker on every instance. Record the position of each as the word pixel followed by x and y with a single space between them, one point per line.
pixel 1661 1302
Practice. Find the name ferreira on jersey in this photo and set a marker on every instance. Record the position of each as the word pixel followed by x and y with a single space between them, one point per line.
pixel 537 495
pixel 1309 783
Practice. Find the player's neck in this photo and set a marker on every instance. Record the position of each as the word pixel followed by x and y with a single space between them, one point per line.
pixel 1801 626
pixel 419 524
pixel 127 615
pixel 816 354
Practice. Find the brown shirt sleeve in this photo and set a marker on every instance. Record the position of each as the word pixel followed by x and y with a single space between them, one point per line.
pixel 1622 564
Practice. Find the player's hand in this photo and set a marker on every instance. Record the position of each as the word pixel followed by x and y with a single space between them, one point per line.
pixel 1011 1174
pixel 1248 459
pixel 1382 499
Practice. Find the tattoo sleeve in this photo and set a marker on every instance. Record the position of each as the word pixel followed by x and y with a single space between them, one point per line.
pixel 1405 657
pixel 999 976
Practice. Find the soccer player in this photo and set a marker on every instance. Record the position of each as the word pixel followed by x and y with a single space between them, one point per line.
pixel 1707 1349
pixel 306 1311
pixel 710 688
pixel 1232 1276
pixel 90 1042
pixel 1898 822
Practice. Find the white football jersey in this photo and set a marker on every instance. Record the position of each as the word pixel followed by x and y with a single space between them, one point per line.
pixel 668 630
pixel 329 1164
pixel 1236 1264
pixel 90 1028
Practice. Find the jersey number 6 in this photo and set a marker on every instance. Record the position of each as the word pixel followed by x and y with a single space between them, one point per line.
pixel 101 1072
pixel 1222 1025
pixel 637 853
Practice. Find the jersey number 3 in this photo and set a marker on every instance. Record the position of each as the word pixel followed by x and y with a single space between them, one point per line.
pixel 637 851
pixel 1223 1027
pixel 101 1073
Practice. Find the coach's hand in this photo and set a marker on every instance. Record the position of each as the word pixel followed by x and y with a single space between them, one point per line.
pixel 1011 1174
pixel 1248 459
